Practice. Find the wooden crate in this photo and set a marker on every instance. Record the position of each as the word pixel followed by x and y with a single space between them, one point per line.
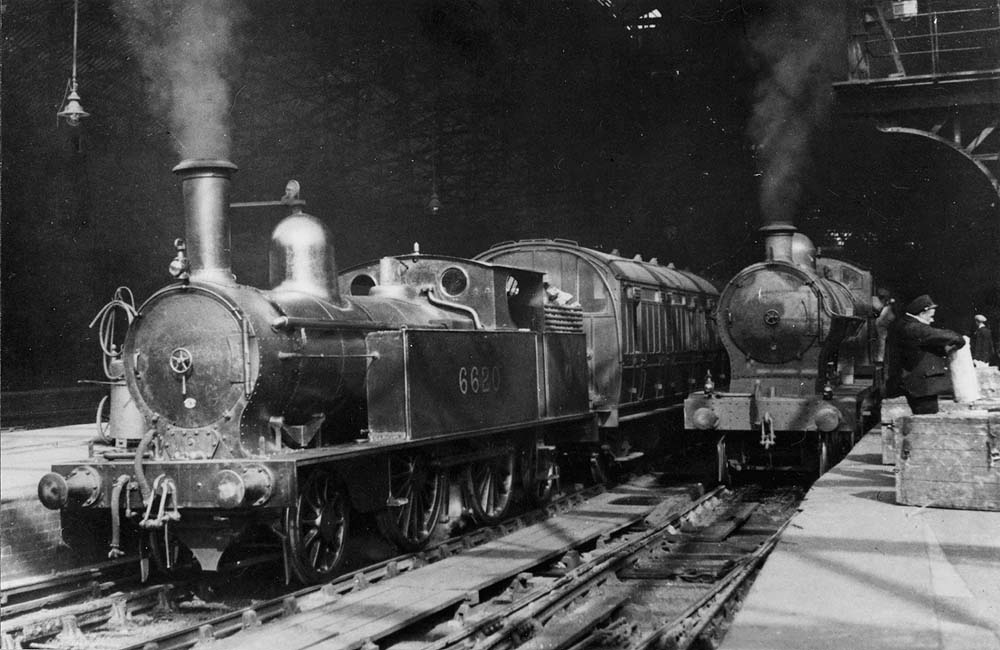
pixel 892 410
pixel 983 404
pixel 896 408
pixel 888 445
pixel 949 460
pixel 989 382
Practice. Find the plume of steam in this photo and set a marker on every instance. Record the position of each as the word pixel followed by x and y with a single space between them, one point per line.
pixel 798 44
pixel 187 50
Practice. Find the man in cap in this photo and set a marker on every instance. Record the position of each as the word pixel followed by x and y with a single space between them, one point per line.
pixel 917 356
pixel 982 341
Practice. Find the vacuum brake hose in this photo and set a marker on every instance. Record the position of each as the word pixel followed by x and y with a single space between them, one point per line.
pixel 140 475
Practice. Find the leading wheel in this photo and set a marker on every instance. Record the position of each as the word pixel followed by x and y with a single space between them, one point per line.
pixel 722 462
pixel 488 485
pixel 317 528
pixel 416 493
pixel 823 450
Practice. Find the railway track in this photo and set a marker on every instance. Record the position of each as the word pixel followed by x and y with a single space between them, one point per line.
pixel 69 605
pixel 605 585
pixel 668 584
pixel 91 581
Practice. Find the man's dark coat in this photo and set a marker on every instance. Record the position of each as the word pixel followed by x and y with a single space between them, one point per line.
pixel 917 358
pixel 982 344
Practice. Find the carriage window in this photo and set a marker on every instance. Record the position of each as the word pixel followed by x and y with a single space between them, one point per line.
pixel 454 281
pixel 362 285
pixel 631 330
pixel 683 339
pixel 639 325
pixel 671 324
pixel 592 295
pixel 653 321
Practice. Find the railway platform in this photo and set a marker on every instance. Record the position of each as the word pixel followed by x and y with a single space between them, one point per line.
pixel 29 533
pixel 856 570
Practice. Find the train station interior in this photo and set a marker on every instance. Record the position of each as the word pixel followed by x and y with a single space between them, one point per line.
pixel 636 127
pixel 668 145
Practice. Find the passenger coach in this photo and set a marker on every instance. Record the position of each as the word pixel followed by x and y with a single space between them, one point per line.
pixel 650 332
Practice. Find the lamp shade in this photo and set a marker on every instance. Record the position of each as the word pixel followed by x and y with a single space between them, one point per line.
pixel 73 110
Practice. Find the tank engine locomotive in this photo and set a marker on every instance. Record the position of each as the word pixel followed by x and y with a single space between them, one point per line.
pixel 283 411
pixel 799 332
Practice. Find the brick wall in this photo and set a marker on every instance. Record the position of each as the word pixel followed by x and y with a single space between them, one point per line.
pixel 31 541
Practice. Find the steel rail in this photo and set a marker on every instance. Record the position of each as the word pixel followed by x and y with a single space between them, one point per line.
pixel 684 629
pixel 247 618
pixel 69 620
pixel 36 593
pixel 500 629
pixel 581 630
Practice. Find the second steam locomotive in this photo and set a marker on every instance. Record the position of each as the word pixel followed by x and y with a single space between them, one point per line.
pixel 799 331
pixel 282 411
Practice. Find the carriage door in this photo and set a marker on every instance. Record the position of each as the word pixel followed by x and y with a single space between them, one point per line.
pixel 577 276
pixel 602 334
pixel 632 344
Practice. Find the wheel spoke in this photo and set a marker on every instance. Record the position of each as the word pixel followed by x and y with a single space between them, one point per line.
pixel 314 550
pixel 491 489
pixel 483 485
pixel 416 515
pixel 328 555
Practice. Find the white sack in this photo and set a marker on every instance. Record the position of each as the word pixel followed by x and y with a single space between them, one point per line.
pixel 963 374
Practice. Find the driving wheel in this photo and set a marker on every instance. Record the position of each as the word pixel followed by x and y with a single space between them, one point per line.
pixel 317 527
pixel 487 485
pixel 416 493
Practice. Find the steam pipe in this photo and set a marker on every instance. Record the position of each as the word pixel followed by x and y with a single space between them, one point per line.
pixel 205 184
pixel 434 300
pixel 116 530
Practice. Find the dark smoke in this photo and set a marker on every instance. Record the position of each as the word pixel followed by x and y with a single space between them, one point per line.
pixel 798 44
pixel 187 51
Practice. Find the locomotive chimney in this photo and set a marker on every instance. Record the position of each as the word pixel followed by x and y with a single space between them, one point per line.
pixel 206 202
pixel 778 236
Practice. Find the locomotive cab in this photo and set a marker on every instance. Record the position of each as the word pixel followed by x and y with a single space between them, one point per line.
pixel 486 295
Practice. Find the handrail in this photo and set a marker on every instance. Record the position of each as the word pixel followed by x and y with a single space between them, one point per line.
pixel 937 42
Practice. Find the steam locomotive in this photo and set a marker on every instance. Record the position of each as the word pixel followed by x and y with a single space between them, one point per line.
pixel 799 332
pixel 281 412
